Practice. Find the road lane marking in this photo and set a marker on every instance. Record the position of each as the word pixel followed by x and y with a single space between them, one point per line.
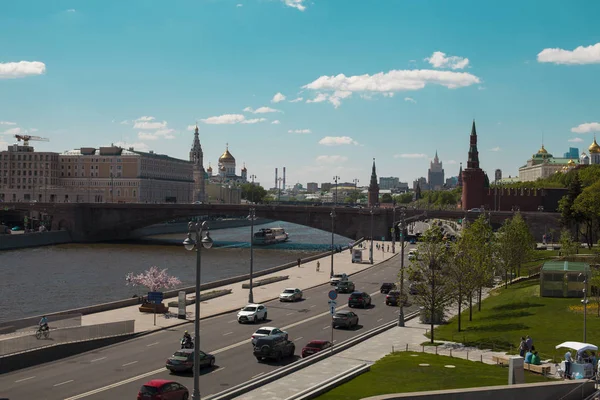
pixel 327 327
pixel 129 363
pixel 63 383
pixel 98 359
pixel 290 313
pixel 152 344
pixel 298 338
pixel 257 375
pixel 380 319
pixel 25 379
pixel 221 350
pixel 218 369
pixel 228 333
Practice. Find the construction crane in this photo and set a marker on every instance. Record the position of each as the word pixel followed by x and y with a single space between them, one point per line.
pixel 27 138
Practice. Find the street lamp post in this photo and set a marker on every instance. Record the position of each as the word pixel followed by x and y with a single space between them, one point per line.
pixel 585 302
pixel 355 189
pixel 332 227
pixel 394 228
pixel 252 191
pixel 371 249
pixel 197 241
pixel 335 178
pixel 252 217
pixel 402 227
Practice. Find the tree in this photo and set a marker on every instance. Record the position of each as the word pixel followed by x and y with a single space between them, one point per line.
pixel 566 205
pixel 568 247
pixel 404 198
pixel 154 279
pixel 433 292
pixel 587 204
pixel 253 192
pixel 514 245
pixel 460 276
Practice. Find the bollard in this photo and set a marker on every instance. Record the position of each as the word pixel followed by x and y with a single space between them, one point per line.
pixel 436 350
pixel 467 355
pixel 481 358
pixel 406 346
pixel 450 352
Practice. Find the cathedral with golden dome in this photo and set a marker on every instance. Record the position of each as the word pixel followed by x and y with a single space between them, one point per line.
pixel 543 164
pixel 226 170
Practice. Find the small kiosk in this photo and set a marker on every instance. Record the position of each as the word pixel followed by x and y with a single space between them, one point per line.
pixel 581 366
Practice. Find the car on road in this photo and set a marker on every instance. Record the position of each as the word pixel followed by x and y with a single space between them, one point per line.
pixel 345 287
pixel 315 346
pixel 346 319
pixel 336 278
pixel 412 255
pixel 183 360
pixel 413 241
pixel 252 313
pixel 386 287
pixel 267 331
pixel 163 389
pixel 273 348
pixel 393 298
pixel 359 299
pixel 413 288
pixel 290 294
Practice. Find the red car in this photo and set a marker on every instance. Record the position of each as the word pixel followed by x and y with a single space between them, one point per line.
pixel 315 346
pixel 163 389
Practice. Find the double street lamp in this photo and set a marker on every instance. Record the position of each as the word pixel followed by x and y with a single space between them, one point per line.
pixel 335 178
pixel 371 249
pixel 251 217
pixel 584 302
pixel 197 238
pixel 332 215
pixel 402 228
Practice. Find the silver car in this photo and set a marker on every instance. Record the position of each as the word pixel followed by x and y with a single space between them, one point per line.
pixel 290 294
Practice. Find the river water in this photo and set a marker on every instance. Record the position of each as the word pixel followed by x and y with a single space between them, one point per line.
pixel 56 278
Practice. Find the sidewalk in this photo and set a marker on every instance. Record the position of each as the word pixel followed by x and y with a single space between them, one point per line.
pixel 304 277
pixel 404 338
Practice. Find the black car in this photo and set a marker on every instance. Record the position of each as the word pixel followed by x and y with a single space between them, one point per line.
pixel 347 319
pixel 393 298
pixel 359 299
pixel 183 360
pixel 386 287
pixel 413 288
pixel 274 348
pixel 345 287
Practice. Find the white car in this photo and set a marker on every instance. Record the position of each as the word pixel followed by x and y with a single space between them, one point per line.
pixel 335 279
pixel 290 294
pixel 412 255
pixel 252 313
pixel 268 331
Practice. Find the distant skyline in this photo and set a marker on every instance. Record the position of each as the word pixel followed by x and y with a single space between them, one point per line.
pixel 320 87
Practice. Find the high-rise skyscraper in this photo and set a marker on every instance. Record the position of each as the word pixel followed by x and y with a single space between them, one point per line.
pixel 435 175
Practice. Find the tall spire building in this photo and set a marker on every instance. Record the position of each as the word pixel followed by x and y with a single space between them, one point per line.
pixel 473 178
pixel 197 158
pixel 373 188
pixel 435 175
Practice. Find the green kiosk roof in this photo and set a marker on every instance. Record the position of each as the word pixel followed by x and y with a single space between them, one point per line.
pixel 566 266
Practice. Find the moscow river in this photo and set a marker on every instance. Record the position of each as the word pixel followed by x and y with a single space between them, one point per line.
pixel 56 278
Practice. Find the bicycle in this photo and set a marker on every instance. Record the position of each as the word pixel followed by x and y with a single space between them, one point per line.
pixel 45 332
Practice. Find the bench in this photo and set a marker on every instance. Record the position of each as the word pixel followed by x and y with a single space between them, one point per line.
pixel 543 369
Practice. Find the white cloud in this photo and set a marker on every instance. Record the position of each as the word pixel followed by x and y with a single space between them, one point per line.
pixel 253 121
pixel 260 110
pixel 337 96
pixel 145 118
pixel 161 133
pixel 7 123
pixel 71 10
pixel 388 94
pixel 576 140
pixel 497 148
pixel 21 69
pixel 239 5
pixel 148 125
pixel 299 131
pixel 191 128
pixel 331 159
pixel 337 141
pixel 224 119
pixel 125 122
pixel 276 122
pixel 389 82
pixel 439 60
pixel 481 88
pixel 297 99
pixel 136 145
pixel 587 127
pixel 410 100
pixel 581 55
pixel 410 155
pixel 297 4
pixel 279 97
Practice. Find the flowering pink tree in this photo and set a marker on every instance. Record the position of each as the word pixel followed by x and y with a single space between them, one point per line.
pixel 154 279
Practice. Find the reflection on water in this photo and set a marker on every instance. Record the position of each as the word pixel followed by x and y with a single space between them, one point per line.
pixel 56 278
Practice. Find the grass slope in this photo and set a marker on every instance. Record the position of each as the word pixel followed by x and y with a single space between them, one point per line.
pixel 400 373
pixel 519 310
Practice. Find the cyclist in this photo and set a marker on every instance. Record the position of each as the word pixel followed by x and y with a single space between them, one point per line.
pixel 44 324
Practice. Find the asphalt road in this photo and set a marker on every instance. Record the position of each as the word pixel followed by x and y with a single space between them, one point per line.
pixel 118 371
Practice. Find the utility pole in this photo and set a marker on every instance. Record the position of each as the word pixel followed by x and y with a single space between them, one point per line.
pixel 252 191
pixel 335 178
pixel 332 243
pixel 355 189
pixel 402 222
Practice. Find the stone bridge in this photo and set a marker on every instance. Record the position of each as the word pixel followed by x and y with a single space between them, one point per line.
pixel 89 222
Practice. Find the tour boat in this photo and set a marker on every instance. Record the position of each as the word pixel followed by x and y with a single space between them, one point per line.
pixel 270 236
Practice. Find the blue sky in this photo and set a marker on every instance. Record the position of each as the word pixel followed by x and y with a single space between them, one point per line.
pixel 394 80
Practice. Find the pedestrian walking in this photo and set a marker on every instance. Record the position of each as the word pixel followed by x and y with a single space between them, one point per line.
pixel 318 266
pixel 299 262
pixel 529 342
pixel 522 347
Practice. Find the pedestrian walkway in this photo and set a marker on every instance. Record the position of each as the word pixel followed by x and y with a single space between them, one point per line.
pixel 407 338
pixel 303 277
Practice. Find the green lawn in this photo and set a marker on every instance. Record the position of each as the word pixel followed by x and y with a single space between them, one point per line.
pixel 508 314
pixel 400 373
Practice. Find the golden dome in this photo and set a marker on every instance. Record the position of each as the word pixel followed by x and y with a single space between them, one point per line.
pixel 594 148
pixel 542 150
pixel 226 156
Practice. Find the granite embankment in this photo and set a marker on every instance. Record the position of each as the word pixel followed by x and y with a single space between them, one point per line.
pixel 37 239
